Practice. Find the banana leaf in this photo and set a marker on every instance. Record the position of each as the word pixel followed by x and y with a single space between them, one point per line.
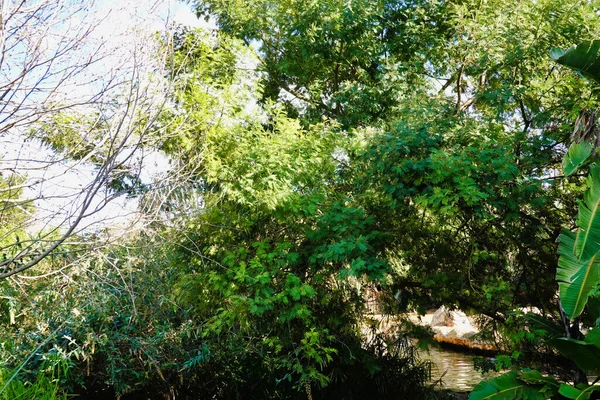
pixel 533 377
pixel 576 278
pixel 585 355
pixel 576 156
pixel 593 309
pixel 587 243
pixel 577 394
pixel 583 58
pixel 507 387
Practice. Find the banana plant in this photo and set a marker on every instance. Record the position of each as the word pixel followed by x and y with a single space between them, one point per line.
pixel 583 58
pixel 579 262
pixel 526 384
pixel 578 272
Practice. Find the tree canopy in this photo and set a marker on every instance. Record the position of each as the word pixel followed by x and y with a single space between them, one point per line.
pixel 316 153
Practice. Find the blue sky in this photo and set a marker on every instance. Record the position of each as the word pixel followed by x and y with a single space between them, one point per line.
pixel 121 28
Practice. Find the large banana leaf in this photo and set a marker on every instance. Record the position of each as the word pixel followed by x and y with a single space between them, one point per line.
pixel 593 309
pixel 585 354
pixel 578 394
pixel 576 278
pixel 588 219
pixel 593 337
pixel 549 384
pixel 507 387
pixel 583 58
pixel 576 156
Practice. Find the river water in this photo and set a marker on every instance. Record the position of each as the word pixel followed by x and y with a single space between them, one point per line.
pixel 455 369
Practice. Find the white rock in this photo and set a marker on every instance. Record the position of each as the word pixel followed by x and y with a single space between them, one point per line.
pixel 442 330
pixel 442 317
pixel 462 332
pixel 452 324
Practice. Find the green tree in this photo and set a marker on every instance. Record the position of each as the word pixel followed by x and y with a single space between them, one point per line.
pixel 276 258
pixel 350 61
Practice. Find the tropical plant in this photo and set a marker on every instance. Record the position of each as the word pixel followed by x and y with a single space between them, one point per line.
pixel 578 272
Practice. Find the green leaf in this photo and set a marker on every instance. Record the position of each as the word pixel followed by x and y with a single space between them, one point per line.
pixel 588 219
pixel 534 377
pixel 576 156
pixel 593 337
pixel 576 278
pixel 585 355
pixel 506 387
pixel 593 308
pixel 578 394
pixel 583 58
pixel 569 391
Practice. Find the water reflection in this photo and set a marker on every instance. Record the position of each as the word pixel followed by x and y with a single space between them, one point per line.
pixel 455 369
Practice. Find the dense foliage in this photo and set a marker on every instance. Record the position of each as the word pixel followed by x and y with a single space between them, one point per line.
pixel 577 272
pixel 321 152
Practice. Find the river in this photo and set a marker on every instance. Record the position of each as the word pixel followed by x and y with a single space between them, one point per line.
pixel 455 369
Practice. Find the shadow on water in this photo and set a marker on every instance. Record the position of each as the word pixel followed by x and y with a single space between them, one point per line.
pixel 455 369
